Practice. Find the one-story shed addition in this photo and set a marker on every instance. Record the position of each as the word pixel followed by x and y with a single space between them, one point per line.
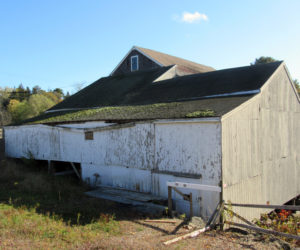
pixel 159 118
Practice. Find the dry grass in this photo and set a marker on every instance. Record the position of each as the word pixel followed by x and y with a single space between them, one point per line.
pixel 39 211
pixel 37 208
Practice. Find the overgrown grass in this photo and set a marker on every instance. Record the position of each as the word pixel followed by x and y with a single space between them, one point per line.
pixel 51 212
pixel 284 221
pixel 26 223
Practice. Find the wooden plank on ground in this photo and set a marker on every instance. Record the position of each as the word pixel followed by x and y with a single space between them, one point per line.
pixel 161 221
pixel 186 236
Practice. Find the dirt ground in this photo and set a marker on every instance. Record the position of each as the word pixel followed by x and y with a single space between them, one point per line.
pixel 142 235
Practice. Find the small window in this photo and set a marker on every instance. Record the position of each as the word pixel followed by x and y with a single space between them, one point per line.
pixel 134 63
pixel 89 135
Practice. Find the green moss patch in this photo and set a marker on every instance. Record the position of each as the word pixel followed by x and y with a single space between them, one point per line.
pixel 200 113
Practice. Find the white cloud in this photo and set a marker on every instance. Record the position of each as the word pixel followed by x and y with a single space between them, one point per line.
pixel 188 17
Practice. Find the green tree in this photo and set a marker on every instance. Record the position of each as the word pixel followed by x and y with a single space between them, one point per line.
pixel 5 117
pixel 59 93
pixel 297 85
pixel 36 89
pixel 18 110
pixel 268 59
pixel 38 104
pixel 67 95
pixel 263 59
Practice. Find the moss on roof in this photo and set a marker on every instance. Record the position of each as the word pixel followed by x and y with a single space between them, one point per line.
pixel 190 109
pixel 136 96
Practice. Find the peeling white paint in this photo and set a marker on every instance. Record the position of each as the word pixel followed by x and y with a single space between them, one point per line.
pixel 127 157
pixel 85 125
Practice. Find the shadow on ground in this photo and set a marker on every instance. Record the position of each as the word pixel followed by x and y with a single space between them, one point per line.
pixel 29 185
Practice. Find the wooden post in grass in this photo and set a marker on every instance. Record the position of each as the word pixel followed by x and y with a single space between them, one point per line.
pixel 49 167
pixel 170 201
pixel 191 205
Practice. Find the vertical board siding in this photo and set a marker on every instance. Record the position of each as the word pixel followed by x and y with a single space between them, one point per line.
pixel 139 158
pixel 264 136
pixel 189 148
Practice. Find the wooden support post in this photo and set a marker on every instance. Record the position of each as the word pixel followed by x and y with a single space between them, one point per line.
pixel 191 205
pixel 179 192
pixel 189 198
pixel 75 170
pixel 170 202
pixel 221 221
pixel 49 167
pixel 239 217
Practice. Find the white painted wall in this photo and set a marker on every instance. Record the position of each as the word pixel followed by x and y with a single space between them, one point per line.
pixel 261 149
pixel 142 157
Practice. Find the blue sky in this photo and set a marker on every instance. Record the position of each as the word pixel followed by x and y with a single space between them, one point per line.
pixel 65 44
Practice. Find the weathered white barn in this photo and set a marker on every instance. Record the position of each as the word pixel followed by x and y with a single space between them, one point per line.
pixel 174 120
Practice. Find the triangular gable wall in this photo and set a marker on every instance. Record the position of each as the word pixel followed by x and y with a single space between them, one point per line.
pixel 145 62
pixel 260 144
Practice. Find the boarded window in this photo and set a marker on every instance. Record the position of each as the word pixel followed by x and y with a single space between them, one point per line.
pixel 89 135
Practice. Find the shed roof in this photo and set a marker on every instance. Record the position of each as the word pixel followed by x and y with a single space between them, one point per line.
pixel 137 96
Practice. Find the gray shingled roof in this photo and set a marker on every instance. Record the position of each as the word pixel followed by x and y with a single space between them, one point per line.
pixel 167 60
pixel 212 107
pixel 137 96
pixel 139 88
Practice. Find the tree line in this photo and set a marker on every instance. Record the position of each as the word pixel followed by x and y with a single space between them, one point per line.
pixel 17 104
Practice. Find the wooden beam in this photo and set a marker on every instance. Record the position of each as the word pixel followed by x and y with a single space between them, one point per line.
pixel 193 186
pixel 266 231
pixel 286 207
pixel 191 206
pixel 211 218
pixel 75 170
pixel 49 167
pixel 185 196
pixel 239 217
pixel 189 235
pixel 208 226
pixel 170 201
pixel 161 221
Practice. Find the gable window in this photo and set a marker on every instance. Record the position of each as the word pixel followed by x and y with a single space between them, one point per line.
pixel 134 63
